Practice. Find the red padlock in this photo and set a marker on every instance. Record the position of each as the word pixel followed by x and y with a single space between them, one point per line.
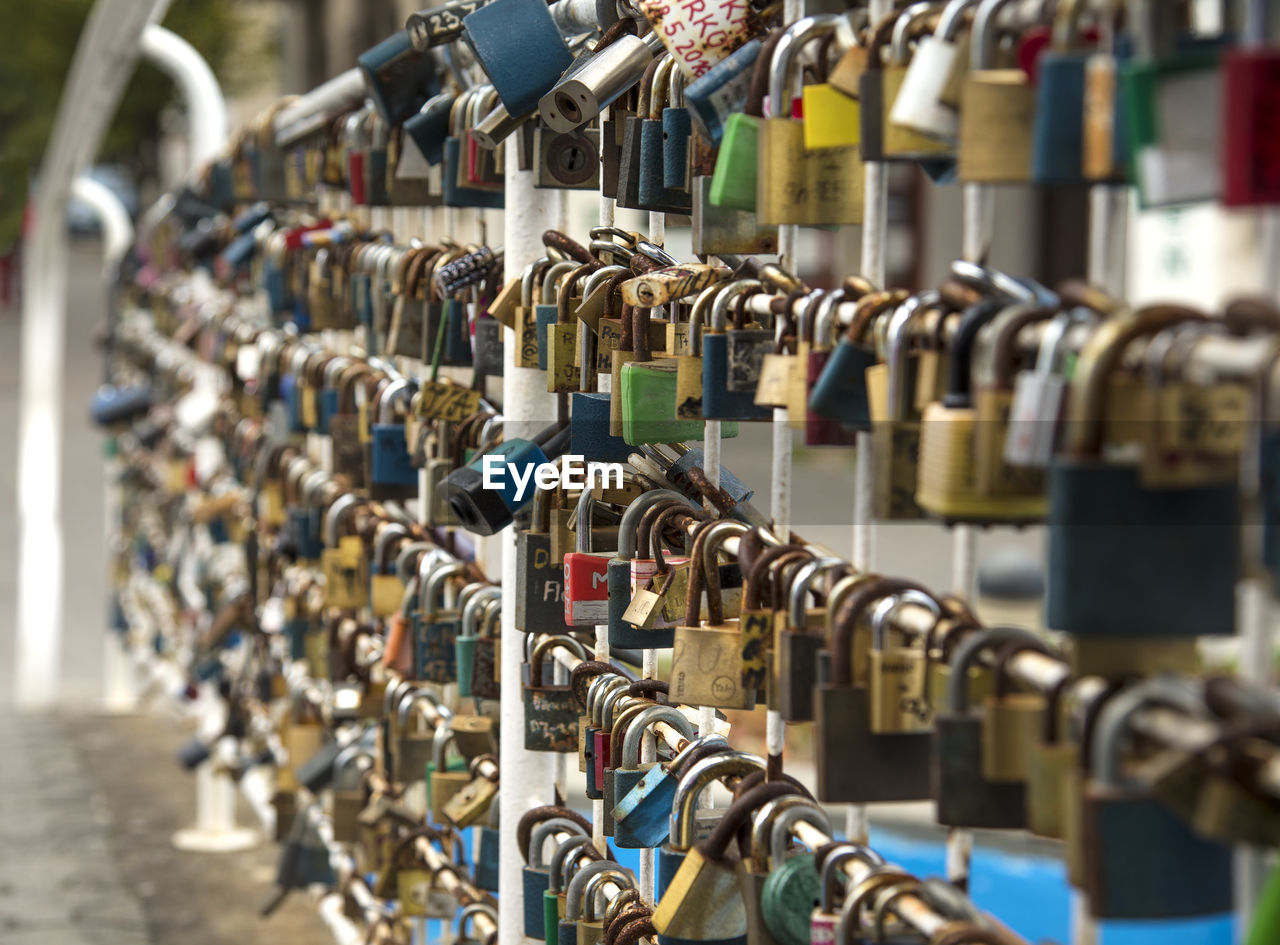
pixel 1251 93
pixel 586 574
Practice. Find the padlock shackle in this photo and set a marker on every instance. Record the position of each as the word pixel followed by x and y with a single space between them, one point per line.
pixel 762 823
pixel 890 603
pixel 549 290
pixel 824 320
pixel 407 552
pixel 1116 714
pixel 951 19
pixel 1101 354
pixel 591 892
pixel 960 377
pixel 433 585
pixel 337 511
pixel 801 583
pixel 720 307
pixel 899 45
pixel 630 755
pixel 347 760
pixel 389 532
pixel 528 278
pixel 601 686
pixel 491 618
pixel 973 646
pixel 836 858
pixel 398 389
pixel 415 696
pixel 545 646
pixel 898 346
pixel 1003 350
pixel 697 319
pixel 840 593
pixel 877 878
pixel 573 895
pixel 739 815
pixel 546 829
pixel 780 831
pixel 704 570
pixel 584 511
pixel 983 51
pixel 612 703
pixel 794 38
pixel 845 621
pixel 559 859
pixel 440 742
pixel 479 599
pixel 635 511
pixel 466 917
pixel 691 784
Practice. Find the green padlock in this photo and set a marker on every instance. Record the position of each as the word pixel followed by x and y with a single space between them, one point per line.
pixel 648 393
pixel 792 887
pixel 733 183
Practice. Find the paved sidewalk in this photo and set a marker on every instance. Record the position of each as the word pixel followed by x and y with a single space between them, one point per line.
pixel 87 807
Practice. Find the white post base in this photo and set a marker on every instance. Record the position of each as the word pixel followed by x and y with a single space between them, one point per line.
pixel 215 830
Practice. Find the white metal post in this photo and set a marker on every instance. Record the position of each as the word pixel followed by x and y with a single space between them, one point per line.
pixel 526 776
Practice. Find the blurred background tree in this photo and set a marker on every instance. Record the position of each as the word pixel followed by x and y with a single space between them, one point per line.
pixel 37 41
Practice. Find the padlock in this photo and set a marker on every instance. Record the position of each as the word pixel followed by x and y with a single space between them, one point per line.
pixel 733 182
pixel 399 78
pixel 466 807
pixel 687 825
pixel 595 82
pixel 550 712
pixel 1122 821
pixel 664 146
pixel 703 901
pixel 796 644
pixel 414 743
pixel 469 637
pixel 895 423
pixel 794 185
pixel 565 861
pixel 727 391
pixel 880 86
pixel 1021 488
pixel 842 716
pixel 520 49
pixel 919 105
pixel 753 864
pixel 996 111
pixel 525 327
pixel 589 727
pixel 590 927
pixel 1051 758
pixel 965 797
pixel 619 580
pixel 839 389
pixel 540 583
pixel 1108 530
pixel 458 190
pixel 343 559
pixel 586 585
pixel 1176 159
pixel 547 313
pixel 1011 723
pixel 535 875
pixel 632 829
pixel 721 92
pixel 445 776
pixel 484 509
pixel 792 885
pixel 580 901
pixel 1039 395
pixel 649 393
pixel 824 919
pixel 947 479
pixel 429 128
pixel 467 914
pixel 1249 74
pixel 896 674
pixel 391 473
pixel 706 660
pixel 436 627
pixel 1057 155
pixel 348 795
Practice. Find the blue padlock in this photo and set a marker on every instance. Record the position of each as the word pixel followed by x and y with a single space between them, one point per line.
pixel 430 127
pixel 589 430
pixel 520 49
pixel 487 511
pixel 399 78
pixel 392 472
pixel 721 91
